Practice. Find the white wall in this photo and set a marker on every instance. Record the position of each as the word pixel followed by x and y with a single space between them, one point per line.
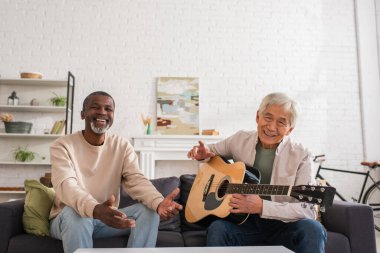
pixel 368 44
pixel 240 50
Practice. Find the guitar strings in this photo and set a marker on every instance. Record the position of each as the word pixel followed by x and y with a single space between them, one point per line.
pixel 247 185
pixel 263 189
pixel 284 190
pixel 260 186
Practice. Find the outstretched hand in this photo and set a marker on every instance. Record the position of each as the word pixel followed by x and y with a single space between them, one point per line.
pixel 371 164
pixel 168 207
pixel 200 152
pixel 110 216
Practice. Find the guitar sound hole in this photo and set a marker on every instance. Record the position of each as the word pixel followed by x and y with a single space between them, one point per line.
pixel 222 189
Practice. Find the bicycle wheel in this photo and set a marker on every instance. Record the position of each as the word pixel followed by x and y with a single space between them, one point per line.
pixel 372 198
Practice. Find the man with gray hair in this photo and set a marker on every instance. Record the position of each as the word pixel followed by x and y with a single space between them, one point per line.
pixel 280 161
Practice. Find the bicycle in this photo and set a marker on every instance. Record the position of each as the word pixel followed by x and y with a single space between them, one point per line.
pixel 371 195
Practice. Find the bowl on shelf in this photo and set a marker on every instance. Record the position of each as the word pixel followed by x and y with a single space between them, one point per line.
pixel 32 75
pixel 18 127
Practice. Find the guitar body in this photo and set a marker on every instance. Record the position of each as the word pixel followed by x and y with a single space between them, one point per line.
pixel 216 180
pixel 207 195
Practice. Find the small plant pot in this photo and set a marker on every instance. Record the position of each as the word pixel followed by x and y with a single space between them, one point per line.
pixel 19 127
pixel 58 102
pixel 23 154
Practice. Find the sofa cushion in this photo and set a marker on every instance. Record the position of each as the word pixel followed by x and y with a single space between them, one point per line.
pixel 169 239
pixel 38 202
pixel 165 186
pixel 37 244
pixel 34 244
pixel 337 242
pixel 194 238
pixel 186 183
pixel 120 241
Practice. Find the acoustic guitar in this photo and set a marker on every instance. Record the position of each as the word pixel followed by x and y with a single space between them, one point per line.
pixel 217 180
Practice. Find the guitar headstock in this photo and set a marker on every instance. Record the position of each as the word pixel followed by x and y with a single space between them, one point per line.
pixel 321 195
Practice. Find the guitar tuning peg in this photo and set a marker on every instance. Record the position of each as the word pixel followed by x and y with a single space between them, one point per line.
pixel 319 200
pixel 300 196
pixel 303 205
pixel 312 188
pixel 303 187
pixel 322 189
pixel 310 198
pixel 323 209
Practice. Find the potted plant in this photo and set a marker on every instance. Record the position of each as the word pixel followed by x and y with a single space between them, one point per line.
pixel 23 154
pixel 7 117
pixel 58 100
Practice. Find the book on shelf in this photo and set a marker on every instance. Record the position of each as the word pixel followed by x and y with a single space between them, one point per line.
pixel 58 127
pixel 55 127
pixel 210 132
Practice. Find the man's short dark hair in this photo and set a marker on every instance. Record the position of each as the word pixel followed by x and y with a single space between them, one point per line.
pixel 102 93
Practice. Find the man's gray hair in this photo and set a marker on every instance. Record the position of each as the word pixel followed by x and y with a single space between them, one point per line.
pixel 283 100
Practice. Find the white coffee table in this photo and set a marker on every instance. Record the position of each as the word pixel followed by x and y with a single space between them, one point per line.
pixel 246 249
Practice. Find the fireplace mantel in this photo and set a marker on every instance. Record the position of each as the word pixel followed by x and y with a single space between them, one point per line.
pixel 152 148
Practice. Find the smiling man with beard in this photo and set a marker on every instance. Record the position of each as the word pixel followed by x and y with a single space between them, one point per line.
pixel 88 169
pixel 280 220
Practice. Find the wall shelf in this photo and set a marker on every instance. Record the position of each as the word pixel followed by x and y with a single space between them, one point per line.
pixel 29 108
pixel 43 117
pixel 12 192
pixel 25 163
pixel 34 82
pixel 37 136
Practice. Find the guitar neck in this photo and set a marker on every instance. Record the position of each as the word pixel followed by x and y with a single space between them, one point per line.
pixel 259 189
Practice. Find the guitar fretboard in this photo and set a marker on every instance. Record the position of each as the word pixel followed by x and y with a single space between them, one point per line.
pixel 258 189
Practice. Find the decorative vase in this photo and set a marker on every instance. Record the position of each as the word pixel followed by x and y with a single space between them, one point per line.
pixel 148 131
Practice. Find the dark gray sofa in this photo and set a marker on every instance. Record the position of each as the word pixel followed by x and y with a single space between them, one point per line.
pixel 350 226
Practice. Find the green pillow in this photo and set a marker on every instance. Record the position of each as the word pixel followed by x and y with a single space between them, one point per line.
pixel 38 202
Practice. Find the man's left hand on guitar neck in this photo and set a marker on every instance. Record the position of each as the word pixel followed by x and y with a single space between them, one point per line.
pixel 252 204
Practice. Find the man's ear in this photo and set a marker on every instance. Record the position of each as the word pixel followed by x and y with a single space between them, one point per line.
pixel 82 114
pixel 257 117
pixel 289 131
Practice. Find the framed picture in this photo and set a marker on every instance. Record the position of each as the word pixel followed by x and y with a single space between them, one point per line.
pixel 178 105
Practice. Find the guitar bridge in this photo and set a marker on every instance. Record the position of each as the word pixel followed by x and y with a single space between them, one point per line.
pixel 207 187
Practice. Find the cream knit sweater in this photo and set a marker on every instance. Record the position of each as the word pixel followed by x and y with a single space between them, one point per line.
pixel 84 175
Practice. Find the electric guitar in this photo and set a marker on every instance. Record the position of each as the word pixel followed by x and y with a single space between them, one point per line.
pixel 216 180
